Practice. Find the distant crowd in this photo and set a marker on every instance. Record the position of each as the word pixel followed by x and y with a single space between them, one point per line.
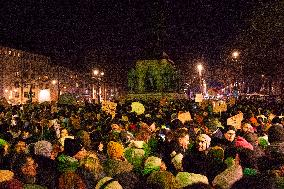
pixel 57 146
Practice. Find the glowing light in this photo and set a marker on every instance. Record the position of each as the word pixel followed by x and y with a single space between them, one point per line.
pixel 235 54
pixel 54 82
pixel 102 73
pixel 6 90
pixel 44 95
pixel 199 67
pixel 96 72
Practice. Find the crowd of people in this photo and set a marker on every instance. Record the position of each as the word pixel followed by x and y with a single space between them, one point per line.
pixel 83 147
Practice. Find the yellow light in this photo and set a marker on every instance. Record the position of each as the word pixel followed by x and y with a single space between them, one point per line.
pixel 236 54
pixel 44 95
pixel 54 82
pixel 96 72
pixel 199 67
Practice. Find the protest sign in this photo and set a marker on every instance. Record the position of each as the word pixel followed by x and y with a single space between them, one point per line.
pixel 236 120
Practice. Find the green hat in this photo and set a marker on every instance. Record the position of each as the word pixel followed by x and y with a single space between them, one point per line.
pixel 3 142
pixel 187 179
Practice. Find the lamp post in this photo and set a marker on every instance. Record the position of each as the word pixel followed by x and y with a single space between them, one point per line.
pixel 200 68
pixel 236 58
pixel 97 75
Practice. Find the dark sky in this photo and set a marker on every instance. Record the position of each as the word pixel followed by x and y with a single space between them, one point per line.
pixel 124 30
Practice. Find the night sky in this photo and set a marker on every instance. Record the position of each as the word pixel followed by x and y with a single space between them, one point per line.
pixel 124 31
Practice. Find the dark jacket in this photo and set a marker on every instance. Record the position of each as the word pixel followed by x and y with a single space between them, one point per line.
pixel 47 174
pixel 195 162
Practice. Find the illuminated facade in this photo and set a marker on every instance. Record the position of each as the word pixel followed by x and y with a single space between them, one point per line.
pixel 22 74
pixel 25 74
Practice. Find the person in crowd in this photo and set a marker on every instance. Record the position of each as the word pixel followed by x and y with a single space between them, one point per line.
pixel 47 174
pixel 196 161
pixel 116 162
pixel 178 149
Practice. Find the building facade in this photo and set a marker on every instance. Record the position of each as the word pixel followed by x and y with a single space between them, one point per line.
pixel 24 75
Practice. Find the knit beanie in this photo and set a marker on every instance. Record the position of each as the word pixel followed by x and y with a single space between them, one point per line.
pixel 67 163
pixel 115 150
pixel 228 177
pixel 164 179
pixel 6 175
pixel 43 148
pixel 216 152
pixel 152 164
pixel 263 141
pixel 3 143
pixel 108 183
pixel 187 179
pixel 177 161
pixel 33 186
pixel 242 143
pixel 206 138
pixel 11 184
pixel 72 146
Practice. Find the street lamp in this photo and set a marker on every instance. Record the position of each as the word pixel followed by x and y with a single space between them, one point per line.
pixel 200 68
pixel 235 54
pixel 236 58
pixel 97 75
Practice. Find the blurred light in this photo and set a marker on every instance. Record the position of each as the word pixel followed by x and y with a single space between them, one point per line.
pixel 102 73
pixel 199 67
pixel 54 82
pixel 235 54
pixel 6 90
pixel 44 95
pixel 96 72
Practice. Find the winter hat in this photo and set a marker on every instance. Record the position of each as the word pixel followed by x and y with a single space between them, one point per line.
pixel 6 175
pixel 72 146
pixel 263 141
pixel 67 163
pixel 71 180
pixel 115 150
pixel 207 139
pixel 187 179
pixel 11 184
pixel 3 142
pixel 177 161
pixel 108 183
pixel 276 133
pixel 216 153
pixel 33 186
pixel 242 143
pixel 163 179
pixel 43 148
pixel 228 177
pixel 152 164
